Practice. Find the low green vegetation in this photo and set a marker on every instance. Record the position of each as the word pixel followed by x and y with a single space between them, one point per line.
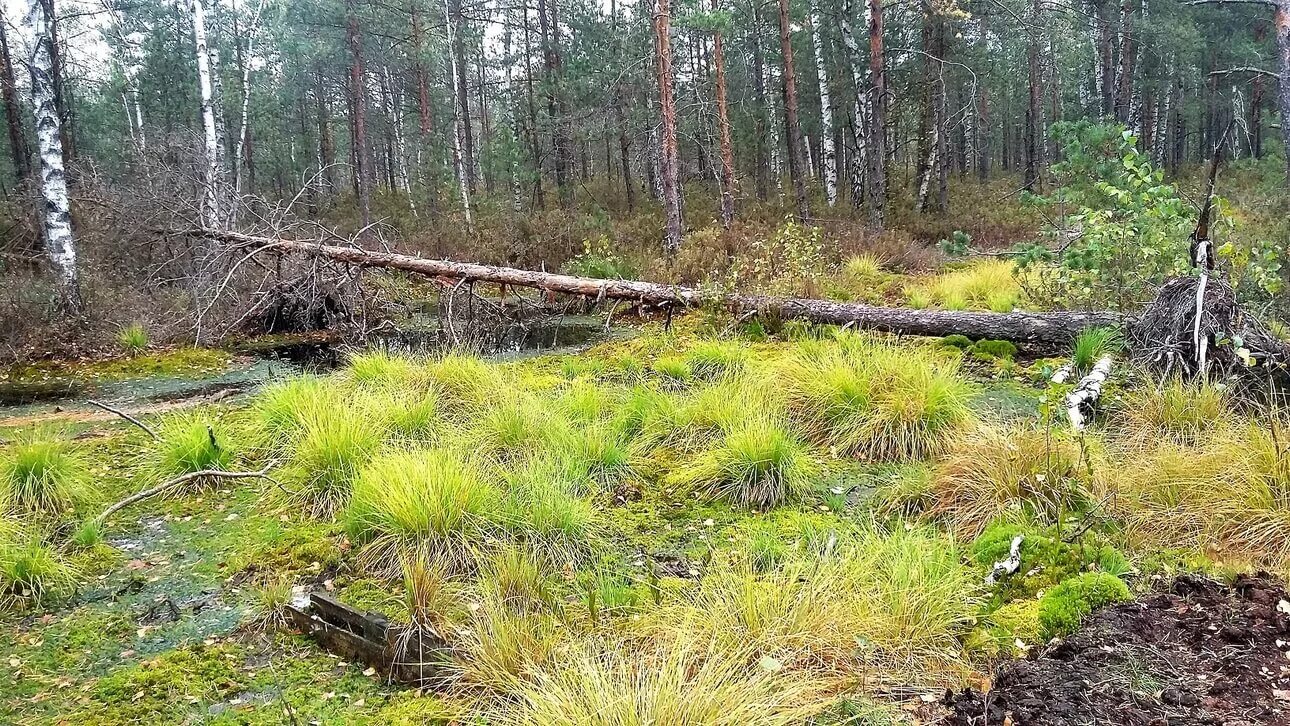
pixel 681 527
pixel 132 338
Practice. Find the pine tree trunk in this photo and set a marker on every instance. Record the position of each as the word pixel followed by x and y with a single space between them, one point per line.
pixel 13 112
pixel 210 193
pixel 828 153
pixel 1034 109
pixel 536 146
pixel 878 106
pixel 668 156
pixel 56 214
pixel 793 129
pixel 761 111
pixel 723 129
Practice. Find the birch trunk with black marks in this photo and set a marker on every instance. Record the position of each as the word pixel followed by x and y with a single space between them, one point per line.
pixel 860 129
pixel 458 164
pixel 210 181
pixel 56 214
pixel 828 154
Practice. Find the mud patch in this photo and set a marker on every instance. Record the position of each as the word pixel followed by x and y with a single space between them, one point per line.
pixel 1201 653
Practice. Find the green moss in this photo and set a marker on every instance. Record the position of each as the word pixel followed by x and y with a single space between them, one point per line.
pixel 1064 607
pixel 1046 559
pixel 168 689
pixel 1007 631
pixel 989 350
pixel 961 342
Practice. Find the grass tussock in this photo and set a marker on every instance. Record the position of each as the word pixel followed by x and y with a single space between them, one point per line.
pixel 188 444
pixel 983 285
pixel 1093 344
pixel 1174 412
pixel 1230 494
pixel 903 598
pixel 283 408
pixel 877 400
pixel 759 463
pixel 543 508
pixel 31 572
pixel 463 382
pixel 334 443
pixel 42 472
pixel 614 685
pixel 435 500
pixel 382 367
pixel 994 472
pixel 712 359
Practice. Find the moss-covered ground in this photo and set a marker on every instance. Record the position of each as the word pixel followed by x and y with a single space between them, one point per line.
pixel 694 525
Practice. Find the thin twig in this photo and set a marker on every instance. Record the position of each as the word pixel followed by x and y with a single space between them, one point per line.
pixel 172 483
pixel 127 417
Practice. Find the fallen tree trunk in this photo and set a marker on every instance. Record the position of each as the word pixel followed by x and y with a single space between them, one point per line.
pixel 1048 330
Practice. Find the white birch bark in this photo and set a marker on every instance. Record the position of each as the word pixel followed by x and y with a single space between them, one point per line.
pixel 858 63
pixel 511 125
pixel 210 203
pixel 457 164
pixel 828 154
pixel 394 110
pixel 56 215
pixel 239 156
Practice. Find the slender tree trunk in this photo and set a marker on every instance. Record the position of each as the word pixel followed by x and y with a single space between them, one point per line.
pixel 13 113
pixel 620 120
pixel 560 141
pixel 796 158
pixel 1128 56
pixel 1034 109
pixel 56 214
pixel 210 194
pixel 1281 29
pixel 242 159
pixel 536 146
pixel 1106 57
pixel 326 146
pixel 61 102
pixel 723 128
pixel 419 70
pixel 458 163
pixel 828 153
pixel 878 105
pixel 461 95
pixel 358 103
pixel 669 161
pixel 761 111
pixel 859 159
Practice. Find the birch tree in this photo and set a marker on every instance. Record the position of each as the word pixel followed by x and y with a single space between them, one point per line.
pixel 458 164
pixel 788 84
pixel 56 214
pixel 828 155
pixel 669 174
pixel 210 178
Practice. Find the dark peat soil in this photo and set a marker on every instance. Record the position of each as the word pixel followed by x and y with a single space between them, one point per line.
pixel 1200 653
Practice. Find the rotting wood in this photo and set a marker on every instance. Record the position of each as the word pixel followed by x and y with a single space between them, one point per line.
pixel 1047 331
pixel 1087 392
pixel 369 638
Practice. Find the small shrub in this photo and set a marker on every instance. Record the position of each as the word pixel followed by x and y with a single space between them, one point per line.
pixel 41 472
pixel 132 338
pixel 1063 608
pixel 758 464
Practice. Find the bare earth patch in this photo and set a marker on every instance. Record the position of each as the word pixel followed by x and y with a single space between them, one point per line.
pixel 1201 653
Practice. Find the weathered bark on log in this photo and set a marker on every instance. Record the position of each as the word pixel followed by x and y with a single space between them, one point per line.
pixel 1036 330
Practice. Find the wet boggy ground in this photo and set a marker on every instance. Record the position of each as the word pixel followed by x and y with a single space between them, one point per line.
pixel 1200 653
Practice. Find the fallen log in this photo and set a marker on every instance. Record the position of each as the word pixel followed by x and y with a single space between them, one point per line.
pixel 1042 331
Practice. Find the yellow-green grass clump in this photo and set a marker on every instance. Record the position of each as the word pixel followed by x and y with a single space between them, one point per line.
pixel 713 359
pixel 905 598
pixel 382 367
pixel 759 463
pixel 542 508
pixel 992 472
pixel 1173 412
pixel 30 570
pixel 334 443
pixel 1230 494
pixel 1093 344
pixel 423 500
pixel 132 338
pixel 614 684
pixel 406 413
pixel 41 472
pixel 189 443
pixel 983 285
pixel 518 425
pixel 281 410
pixel 877 400
pixel 464 382
pixel 673 369
pixel 505 646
